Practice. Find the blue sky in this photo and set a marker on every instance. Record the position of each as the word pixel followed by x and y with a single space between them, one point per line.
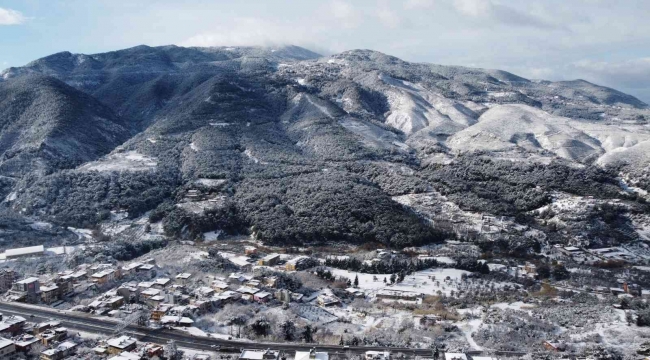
pixel 606 42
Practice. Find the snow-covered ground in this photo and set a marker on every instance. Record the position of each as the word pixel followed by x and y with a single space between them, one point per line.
pixel 427 282
pixel 250 155
pixel 209 182
pixel 518 305
pixel 445 260
pixel 199 207
pixel 83 234
pixel 123 161
pixel 40 225
pixel 212 235
pixel 61 250
pixel 373 135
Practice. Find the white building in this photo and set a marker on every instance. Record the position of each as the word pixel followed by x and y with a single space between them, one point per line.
pixel 25 252
pixel 126 356
pixel 377 355
pixel 311 355
pixel 267 354
pixel 455 356
pixel 7 347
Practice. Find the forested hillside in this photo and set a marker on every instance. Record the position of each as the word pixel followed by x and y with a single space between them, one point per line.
pixel 291 148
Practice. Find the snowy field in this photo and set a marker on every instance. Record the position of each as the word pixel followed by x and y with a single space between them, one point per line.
pixel 427 282
pixel 211 183
pixel 126 161
pixel 198 207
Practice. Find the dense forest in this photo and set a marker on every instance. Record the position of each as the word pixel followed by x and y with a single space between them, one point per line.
pixel 83 199
pixel 505 187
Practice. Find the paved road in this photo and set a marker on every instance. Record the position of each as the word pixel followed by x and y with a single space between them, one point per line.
pixel 91 324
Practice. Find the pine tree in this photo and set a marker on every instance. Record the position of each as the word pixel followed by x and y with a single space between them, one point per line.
pixel 356 281
pixel 40 269
pixel 308 333
pixel 261 327
pixel 392 278
pixel 385 280
pixel 288 330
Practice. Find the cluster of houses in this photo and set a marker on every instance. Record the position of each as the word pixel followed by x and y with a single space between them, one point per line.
pixel 53 289
pixel 246 263
pixel 19 336
pixel 172 301
pixel 626 289
pixel 595 255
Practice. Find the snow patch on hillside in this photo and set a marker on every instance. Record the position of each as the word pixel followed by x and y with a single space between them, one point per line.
pixel 125 161
pixel 320 107
pixel 250 155
pixel 413 108
pixel 209 182
pixel 521 131
pixel 198 207
pixel 373 135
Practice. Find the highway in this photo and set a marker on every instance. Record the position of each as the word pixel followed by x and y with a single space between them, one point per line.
pixel 96 325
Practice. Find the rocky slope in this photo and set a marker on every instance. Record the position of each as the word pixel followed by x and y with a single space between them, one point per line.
pixel 293 147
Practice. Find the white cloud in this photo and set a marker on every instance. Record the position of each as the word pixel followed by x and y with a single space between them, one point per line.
pixel 501 14
pixel 386 16
pixel 344 14
pixel 416 4
pixel 474 8
pixel 629 76
pixel 246 32
pixel 631 73
pixel 11 17
pixel 342 10
pixel 541 73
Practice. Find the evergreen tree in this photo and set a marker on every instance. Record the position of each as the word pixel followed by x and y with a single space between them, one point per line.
pixel 40 269
pixel 560 273
pixel 400 276
pixel 288 330
pixel 543 271
pixel 356 281
pixel 484 268
pixel 261 327
pixel 308 334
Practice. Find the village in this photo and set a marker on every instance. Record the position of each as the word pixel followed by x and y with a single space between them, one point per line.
pixel 430 299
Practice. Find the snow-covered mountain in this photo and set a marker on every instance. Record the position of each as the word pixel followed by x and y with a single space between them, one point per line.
pixel 292 147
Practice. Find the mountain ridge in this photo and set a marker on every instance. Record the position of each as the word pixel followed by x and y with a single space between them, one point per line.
pixel 297 147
